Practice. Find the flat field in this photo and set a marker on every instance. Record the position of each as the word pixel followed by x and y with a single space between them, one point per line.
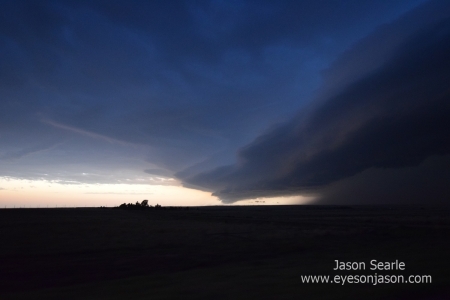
pixel 229 252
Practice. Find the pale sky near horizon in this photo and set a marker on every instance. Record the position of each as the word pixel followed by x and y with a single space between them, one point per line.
pixel 16 193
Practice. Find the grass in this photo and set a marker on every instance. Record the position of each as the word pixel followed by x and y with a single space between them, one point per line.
pixel 218 252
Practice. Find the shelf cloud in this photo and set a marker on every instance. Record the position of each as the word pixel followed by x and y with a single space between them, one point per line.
pixel 385 130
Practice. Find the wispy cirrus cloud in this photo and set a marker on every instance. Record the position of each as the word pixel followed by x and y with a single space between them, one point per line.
pixel 88 133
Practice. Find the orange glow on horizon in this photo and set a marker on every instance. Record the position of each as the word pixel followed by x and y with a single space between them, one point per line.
pixel 42 193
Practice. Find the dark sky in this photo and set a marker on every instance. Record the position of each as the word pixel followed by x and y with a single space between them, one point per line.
pixel 345 100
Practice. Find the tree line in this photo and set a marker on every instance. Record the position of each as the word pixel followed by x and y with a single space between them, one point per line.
pixel 145 206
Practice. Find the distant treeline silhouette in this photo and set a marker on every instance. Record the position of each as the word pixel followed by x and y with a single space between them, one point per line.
pixel 144 206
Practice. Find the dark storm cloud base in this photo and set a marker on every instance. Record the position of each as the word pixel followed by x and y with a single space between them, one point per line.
pixel 388 117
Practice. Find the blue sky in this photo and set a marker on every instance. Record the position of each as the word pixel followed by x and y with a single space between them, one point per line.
pixel 234 100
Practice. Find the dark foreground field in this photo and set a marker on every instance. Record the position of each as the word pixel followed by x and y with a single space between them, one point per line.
pixel 219 252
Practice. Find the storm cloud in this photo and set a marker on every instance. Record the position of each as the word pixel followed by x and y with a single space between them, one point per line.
pixel 243 99
pixel 386 130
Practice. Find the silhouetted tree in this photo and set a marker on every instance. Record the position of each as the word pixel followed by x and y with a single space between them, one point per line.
pixel 144 206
